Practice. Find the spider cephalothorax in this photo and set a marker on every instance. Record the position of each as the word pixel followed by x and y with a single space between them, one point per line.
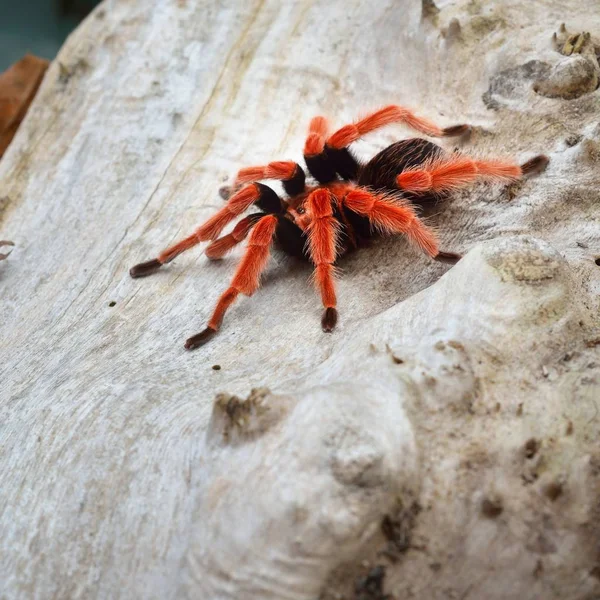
pixel 348 203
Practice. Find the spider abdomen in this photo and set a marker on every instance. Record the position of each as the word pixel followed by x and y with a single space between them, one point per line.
pixel 381 171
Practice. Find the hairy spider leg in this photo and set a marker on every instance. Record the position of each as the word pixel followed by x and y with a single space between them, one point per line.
pixel 317 133
pixel 246 279
pixel 315 155
pixel 445 174
pixel 390 114
pixel 323 234
pixel 392 216
pixel 223 245
pixel 255 193
pixel 290 173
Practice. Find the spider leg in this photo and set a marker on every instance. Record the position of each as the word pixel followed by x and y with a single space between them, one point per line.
pixel 390 114
pixel 445 174
pixel 289 173
pixel 392 216
pixel 317 133
pixel 322 243
pixel 223 245
pixel 315 155
pixel 246 279
pixel 255 193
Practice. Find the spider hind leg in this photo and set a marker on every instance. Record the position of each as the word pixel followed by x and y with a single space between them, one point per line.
pixel 381 171
pixel 444 174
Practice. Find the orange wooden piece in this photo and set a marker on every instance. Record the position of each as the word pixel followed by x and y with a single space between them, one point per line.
pixel 18 86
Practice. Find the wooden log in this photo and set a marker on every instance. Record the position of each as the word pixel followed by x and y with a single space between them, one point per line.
pixel 441 443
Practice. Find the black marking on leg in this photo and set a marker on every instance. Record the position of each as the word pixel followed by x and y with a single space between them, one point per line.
pixel 449 258
pixel 200 339
pixel 146 268
pixel 537 164
pixel 320 167
pixel 343 162
pixel 295 185
pixel 329 319
pixel 269 201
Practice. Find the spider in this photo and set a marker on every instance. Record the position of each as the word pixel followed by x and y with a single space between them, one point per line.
pixel 348 203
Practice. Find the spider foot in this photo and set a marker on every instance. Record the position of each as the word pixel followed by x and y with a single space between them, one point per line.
pixel 329 319
pixel 225 191
pixel 200 339
pixel 537 164
pixel 456 130
pixel 146 268
pixel 450 258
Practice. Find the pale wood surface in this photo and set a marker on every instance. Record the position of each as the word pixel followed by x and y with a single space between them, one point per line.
pixel 107 487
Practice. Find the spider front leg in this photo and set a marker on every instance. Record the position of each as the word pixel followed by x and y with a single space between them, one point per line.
pixel 322 244
pixel 445 174
pixel 386 116
pixel 246 279
pixel 290 173
pixel 255 193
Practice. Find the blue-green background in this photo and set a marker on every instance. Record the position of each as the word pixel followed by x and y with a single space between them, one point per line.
pixel 37 26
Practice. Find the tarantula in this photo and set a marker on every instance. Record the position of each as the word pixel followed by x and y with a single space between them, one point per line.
pixel 349 203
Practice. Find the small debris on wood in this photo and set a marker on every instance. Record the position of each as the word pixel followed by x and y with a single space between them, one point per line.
pixel 554 490
pixel 370 587
pixel 397 529
pixel 491 507
pixel 396 359
pixel 66 72
pixel 5 254
pixel 429 9
pixel 531 448
pixel 452 32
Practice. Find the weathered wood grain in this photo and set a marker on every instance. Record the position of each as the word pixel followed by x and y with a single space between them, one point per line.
pixel 115 478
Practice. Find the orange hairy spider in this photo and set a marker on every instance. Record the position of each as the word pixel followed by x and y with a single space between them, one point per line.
pixel 348 203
